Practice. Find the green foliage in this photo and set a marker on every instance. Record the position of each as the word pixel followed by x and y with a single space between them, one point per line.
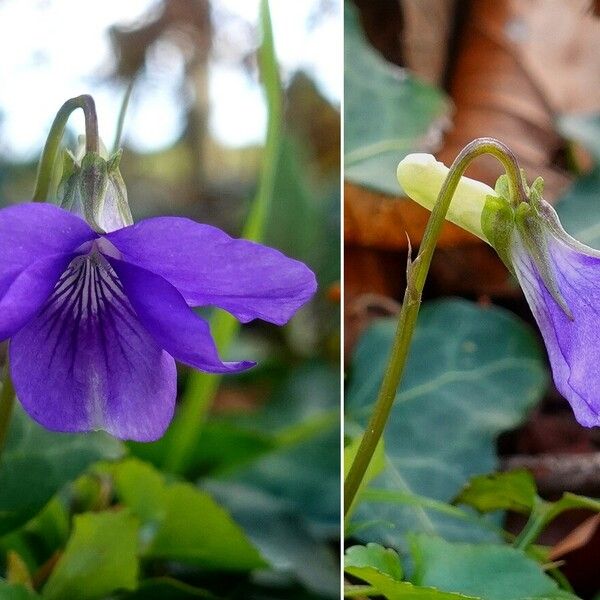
pixel 287 500
pixel 514 491
pixel 182 522
pixel 578 208
pixel 15 592
pixel 384 560
pixel 584 129
pixel 472 373
pixel 36 463
pixel 486 571
pixel 166 588
pixel 387 112
pixel 100 558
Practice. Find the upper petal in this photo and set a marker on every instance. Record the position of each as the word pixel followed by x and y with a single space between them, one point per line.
pixel 172 323
pixel 85 361
pixel 32 231
pixel 572 344
pixel 208 267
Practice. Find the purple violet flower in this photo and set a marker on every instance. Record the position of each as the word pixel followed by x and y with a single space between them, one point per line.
pixel 560 278
pixel 559 275
pixel 97 320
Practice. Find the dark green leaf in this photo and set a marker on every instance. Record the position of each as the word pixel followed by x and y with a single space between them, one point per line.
pixel 387 112
pixel 472 373
pixel 487 571
pixel 582 128
pixel 579 209
pixel 36 463
pixel 304 468
pixel 283 536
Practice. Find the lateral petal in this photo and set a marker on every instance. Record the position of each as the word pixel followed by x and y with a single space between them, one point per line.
pixel 208 267
pixel 172 323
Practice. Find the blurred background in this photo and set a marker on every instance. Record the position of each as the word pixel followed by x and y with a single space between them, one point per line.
pixel 193 145
pixel 430 76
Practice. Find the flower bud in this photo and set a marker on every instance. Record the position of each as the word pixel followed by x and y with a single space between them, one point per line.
pixel 94 189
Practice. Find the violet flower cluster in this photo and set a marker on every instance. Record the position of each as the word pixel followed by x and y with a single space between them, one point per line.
pixel 97 320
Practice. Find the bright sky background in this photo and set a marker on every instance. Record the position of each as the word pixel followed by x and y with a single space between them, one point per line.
pixel 51 50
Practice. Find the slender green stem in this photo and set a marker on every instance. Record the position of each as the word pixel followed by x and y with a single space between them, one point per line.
pixel 50 152
pixel 538 519
pixel 202 387
pixel 7 401
pixel 122 113
pixel 417 274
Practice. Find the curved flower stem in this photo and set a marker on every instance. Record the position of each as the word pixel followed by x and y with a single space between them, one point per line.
pixel 51 148
pixel 7 401
pixel 416 276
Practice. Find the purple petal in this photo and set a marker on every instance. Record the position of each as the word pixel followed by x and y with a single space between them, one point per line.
pixel 174 326
pixel 572 344
pixel 85 361
pixel 210 268
pixel 31 231
pixel 29 291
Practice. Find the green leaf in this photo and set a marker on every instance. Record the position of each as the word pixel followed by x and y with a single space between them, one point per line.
pixel 16 592
pixel 399 590
pixel 487 571
pixel 304 467
pixel 582 128
pixel 384 560
pixel 472 373
pixel 100 558
pixel 196 530
pixel 388 113
pixel 166 588
pixel 579 209
pixel 515 490
pixel 290 544
pixel 181 522
pixel 36 463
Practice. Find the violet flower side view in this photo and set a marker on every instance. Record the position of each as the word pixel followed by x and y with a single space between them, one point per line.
pixel 560 276
pixel 96 320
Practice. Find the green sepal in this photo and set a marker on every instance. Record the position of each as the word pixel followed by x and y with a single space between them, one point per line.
pixel 502 215
pixel 117 187
pixel 93 187
pixel 93 182
pixel 498 223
